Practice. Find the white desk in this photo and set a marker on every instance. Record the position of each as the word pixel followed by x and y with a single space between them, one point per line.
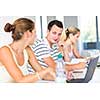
pixel 95 78
pixel 44 81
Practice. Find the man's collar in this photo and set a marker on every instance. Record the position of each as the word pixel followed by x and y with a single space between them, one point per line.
pixel 53 46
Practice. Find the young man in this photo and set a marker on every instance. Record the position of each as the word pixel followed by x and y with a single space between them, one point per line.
pixel 46 50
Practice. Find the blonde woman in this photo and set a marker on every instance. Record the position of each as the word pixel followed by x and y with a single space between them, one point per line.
pixel 68 44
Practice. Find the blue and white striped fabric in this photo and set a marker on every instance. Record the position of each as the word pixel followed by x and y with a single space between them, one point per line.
pixel 42 49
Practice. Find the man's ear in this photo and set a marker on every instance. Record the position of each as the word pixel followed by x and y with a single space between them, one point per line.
pixel 47 32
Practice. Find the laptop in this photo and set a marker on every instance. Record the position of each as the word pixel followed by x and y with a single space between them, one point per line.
pixel 89 74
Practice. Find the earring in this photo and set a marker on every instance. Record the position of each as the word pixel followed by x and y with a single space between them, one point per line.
pixel 20 34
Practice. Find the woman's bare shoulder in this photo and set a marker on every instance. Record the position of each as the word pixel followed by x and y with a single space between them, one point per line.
pixel 4 50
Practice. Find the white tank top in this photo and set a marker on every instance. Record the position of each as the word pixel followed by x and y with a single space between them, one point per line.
pixel 4 75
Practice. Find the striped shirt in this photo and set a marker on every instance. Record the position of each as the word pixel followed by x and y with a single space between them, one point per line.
pixel 42 49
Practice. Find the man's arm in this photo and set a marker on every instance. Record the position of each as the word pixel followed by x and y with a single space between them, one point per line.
pixel 50 62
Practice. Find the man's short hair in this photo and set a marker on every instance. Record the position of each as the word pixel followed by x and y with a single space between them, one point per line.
pixel 55 22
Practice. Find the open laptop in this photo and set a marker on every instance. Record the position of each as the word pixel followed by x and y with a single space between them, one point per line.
pixel 89 74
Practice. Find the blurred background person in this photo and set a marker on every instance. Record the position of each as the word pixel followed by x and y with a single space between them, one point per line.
pixel 68 43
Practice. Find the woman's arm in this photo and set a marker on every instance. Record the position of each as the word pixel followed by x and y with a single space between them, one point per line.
pixel 37 67
pixel 76 52
pixel 33 61
pixel 66 56
pixel 7 60
pixel 71 67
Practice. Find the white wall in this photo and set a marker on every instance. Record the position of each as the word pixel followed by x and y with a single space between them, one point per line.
pixel 5 38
